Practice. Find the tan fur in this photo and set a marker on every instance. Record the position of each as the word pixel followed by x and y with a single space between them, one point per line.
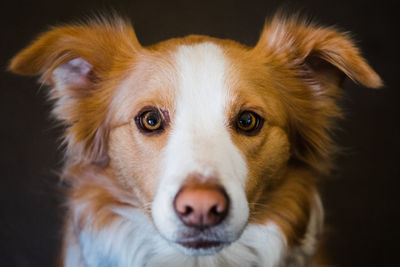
pixel 291 45
pixel 111 48
pixel 292 77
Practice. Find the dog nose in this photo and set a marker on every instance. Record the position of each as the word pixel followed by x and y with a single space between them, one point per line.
pixel 201 205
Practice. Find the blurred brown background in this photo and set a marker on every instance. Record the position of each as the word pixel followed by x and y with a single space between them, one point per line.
pixel 361 197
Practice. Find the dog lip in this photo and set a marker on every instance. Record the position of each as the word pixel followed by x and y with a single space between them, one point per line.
pixel 200 244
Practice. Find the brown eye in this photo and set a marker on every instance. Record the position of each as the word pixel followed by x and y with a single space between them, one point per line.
pixel 150 121
pixel 248 122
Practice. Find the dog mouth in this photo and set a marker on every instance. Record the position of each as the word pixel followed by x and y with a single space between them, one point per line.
pixel 207 241
pixel 202 244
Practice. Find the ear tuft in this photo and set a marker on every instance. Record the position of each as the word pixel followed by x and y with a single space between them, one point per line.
pixel 75 73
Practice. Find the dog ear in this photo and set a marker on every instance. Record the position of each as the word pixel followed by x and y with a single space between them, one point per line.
pixel 78 62
pixel 318 49
pixel 311 63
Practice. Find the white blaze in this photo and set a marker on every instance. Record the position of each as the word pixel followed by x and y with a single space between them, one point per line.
pixel 199 140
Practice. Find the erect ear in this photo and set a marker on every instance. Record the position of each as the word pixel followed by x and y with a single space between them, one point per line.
pixel 77 61
pixel 311 63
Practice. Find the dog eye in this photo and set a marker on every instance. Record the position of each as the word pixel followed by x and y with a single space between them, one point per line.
pixel 150 121
pixel 248 122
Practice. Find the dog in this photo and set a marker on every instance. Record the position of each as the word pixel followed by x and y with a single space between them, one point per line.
pixel 195 151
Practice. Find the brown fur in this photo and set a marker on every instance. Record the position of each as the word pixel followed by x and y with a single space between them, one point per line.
pixel 111 48
pixel 292 77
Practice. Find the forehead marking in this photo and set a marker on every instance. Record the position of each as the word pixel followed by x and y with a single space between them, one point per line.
pixel 202 90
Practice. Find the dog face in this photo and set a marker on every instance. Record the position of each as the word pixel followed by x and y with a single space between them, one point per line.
pixel 199 92
pixel 199 133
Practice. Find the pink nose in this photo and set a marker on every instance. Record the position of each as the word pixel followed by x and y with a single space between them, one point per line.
pixel 201 205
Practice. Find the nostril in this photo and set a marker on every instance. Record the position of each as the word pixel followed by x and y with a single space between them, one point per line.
pixel 187 211
pixel 216 210
pixel 219 207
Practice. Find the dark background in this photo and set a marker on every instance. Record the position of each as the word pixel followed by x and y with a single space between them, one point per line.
pixel 361 197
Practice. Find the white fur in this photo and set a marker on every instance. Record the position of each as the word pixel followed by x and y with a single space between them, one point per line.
pixel 132 241
pixel 72 73
pixel 200 142
pixel 73 254
pixel 68 78
pixel 69 75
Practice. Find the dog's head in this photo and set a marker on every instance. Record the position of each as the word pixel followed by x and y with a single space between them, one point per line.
pixel 202 130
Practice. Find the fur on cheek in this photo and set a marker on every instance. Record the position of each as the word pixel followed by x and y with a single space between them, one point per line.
pixel 265 167
pixel 293 75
